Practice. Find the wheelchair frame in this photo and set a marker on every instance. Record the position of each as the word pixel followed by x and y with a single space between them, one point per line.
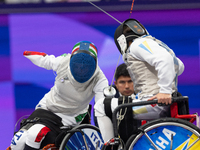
pixel 173 109
pixel 174 115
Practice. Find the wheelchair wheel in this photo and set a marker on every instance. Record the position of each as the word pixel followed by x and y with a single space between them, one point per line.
pixel 166 134
pixel 82 137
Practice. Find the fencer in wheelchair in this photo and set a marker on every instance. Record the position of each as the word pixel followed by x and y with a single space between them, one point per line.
pixel 154 69
pixel 78 80
pixel 127 132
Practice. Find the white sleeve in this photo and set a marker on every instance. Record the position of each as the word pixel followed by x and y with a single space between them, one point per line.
pixel 104 122
pixel 49 62
pixel 106 128
pixel 151 52
pixel 181 66
pixel 98 89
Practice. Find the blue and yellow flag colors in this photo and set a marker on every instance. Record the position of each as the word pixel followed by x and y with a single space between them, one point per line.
pixel 189 142
pixel 146 47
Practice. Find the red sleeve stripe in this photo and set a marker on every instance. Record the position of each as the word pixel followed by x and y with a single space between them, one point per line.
pixel 27 53
pixel 42 134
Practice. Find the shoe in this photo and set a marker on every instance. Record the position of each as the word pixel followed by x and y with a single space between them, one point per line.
pixel 9 148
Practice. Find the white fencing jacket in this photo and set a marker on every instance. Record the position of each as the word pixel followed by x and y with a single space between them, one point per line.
pixel 68 97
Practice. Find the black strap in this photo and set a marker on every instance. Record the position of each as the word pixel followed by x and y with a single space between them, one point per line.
pixel 45 117
pixel 107 107
pixel 117 95
pixel 128 125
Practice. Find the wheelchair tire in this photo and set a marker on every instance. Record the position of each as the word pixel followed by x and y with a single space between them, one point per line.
pixel 166 133
pixel 75 138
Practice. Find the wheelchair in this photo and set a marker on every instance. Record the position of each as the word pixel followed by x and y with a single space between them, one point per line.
pixel 170 133
pixel 81 137
pixel 177 132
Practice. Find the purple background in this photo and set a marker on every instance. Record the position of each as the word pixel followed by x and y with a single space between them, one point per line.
pixel 23 84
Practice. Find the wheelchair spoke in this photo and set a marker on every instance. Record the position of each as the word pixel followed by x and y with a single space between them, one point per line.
pixel 151 141
pixel 97 145
pixel 193 143
pixel 171 142
pixel 85 142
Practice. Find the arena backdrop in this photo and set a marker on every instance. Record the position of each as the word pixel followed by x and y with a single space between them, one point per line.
pixel 22 84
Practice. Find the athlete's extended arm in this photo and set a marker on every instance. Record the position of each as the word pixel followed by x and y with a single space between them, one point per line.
pixel 41 59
